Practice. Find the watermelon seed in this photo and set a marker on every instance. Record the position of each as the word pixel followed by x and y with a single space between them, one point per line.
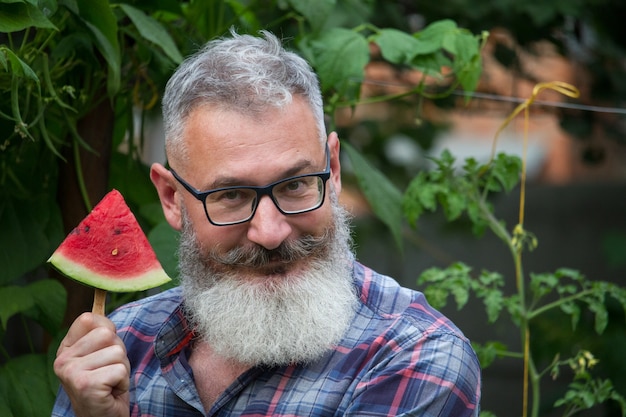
pixel 86 229
pixel 117 231
pixel 114 252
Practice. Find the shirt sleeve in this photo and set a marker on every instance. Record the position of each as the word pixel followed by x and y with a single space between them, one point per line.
pixel 62 405
pixel 436 376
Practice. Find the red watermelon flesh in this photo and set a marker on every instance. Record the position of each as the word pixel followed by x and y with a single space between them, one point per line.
pixel 109 250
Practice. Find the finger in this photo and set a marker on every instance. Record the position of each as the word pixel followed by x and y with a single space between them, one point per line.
pixel 101 381
pixel 85 323
pixel 104 381
pixel 97 376
pixel 109 355
pixel 103 391
pixel 100 347
pixel 97 339
pixel 86 356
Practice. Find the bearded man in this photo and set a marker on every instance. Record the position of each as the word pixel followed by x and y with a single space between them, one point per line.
pixel 273 315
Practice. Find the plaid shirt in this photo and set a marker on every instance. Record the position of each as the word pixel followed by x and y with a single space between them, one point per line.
pixel 399 357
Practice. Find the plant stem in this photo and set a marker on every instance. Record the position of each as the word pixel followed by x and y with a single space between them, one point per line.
pixel 509 354
pixel 495 226
pixel 80 178
pixel 5 353
pixel 25 38
pixel 558 303
pixel 535 379
pixel 529 371
pixel 29 339
pixel 525 331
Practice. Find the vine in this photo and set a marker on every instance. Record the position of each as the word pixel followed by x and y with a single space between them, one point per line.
pixel 468 193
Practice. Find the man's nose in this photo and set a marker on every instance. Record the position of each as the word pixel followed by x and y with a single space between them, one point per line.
pixel 269 227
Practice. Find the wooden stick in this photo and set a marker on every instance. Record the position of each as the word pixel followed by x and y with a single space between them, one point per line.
pixel 99 301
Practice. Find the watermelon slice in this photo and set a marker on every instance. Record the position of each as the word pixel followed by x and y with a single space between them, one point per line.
pixel 108 250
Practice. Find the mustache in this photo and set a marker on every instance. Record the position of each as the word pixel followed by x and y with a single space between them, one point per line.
pixel 289 251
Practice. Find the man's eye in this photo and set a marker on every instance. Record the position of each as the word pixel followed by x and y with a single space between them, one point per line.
pixel 297 186
pixel 233 196
pixel 294 185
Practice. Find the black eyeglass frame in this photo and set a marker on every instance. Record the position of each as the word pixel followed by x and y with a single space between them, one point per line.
pixel 260 192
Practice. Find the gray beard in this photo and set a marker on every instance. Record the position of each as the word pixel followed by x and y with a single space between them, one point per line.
pixel 284 320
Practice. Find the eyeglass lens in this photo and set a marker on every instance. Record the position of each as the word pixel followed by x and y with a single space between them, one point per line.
pixel 294 195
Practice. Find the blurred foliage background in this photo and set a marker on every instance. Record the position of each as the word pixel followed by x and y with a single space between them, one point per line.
pixel 81 82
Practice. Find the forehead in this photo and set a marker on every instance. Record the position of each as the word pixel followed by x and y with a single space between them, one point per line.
pixel 229 143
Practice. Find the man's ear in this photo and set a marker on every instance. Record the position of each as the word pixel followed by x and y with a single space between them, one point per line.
pixel 335 166
pixel 165 184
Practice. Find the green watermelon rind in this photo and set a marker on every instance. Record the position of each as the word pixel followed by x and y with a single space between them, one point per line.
pixel 140 282
pixel 109 250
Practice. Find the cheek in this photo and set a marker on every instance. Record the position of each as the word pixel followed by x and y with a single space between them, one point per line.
pixel 316 222
pixel 222 237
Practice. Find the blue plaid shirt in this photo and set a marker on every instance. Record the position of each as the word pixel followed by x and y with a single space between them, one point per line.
pixel 399 357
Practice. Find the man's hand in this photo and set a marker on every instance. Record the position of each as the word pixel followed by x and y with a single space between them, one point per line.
pixel 93 368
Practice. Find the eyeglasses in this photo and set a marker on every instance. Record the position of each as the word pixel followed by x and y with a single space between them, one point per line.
pixel 233 205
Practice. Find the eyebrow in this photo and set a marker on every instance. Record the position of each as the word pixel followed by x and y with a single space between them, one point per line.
pixel 229 181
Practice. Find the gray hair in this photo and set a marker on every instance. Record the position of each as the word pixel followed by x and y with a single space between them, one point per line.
pixel 243 73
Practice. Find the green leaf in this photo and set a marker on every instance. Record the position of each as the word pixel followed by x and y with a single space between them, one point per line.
pixel 152 212
pixel 436 296
pixel 572 274
pixel 316 12
pixel 49 298
pixel 99 18
pixel 427 194
pixel 453 204
pixel 455 280
pixel 431 64
pixel 153 31
pixel 5 411
pixel 505 171
pixel 139 191
pixel 469 75
pixel 5 395
pixel 542 284
pixel 24 243
pixel 164 241
pixel 18 67
pixel 19 15
pixel 436 35
pixel 396 46
pixel 488 352
pixel 600 313
pixel 461 295
pixel 27 384
pixel 340 58
pixel 245 14
pixel 419 196
pixel 467 64
pixel 588 399
pixel 466 46
pixel 514 307
pixel 493 301
pixel 384 198
pixel 51 354
pixel 444 35
pixel 13 300
pixel 491 279
pixel 618 293
pixel 573 310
